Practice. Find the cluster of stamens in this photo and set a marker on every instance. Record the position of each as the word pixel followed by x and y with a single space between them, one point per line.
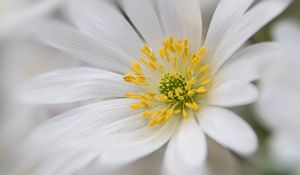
pixel 183 79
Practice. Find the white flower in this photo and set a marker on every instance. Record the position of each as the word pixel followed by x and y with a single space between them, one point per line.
pixel 21 60
pixel 172 91
pixel 278 105
pixel 16 13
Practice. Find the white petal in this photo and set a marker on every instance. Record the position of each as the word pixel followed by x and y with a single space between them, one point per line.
pixel 71 140
pixel 278 108
pixel 83 47
pixel 105 23
pixel 74 84
pixel 285 149
pixel 145 19
pixel 65 162
pixel 78 125
pixel 207 8
pixel 228 129
pixel 187 150
pixel 247 63
pixel 182 19
pixel 232 93
pixel 278 105
pixel 288 32
pixel 227 13
pixel 241 30
pixel 144 141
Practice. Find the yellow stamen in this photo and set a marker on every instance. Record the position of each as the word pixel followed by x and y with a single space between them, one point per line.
pixel 147 113
pixel 135 106
pixel 201 90
pixel 193 105
pixel 180 76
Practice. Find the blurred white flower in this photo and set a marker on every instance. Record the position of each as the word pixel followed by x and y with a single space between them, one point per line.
pixel 16 13
pixel 174 91
pixel 278 105
pixel 20 61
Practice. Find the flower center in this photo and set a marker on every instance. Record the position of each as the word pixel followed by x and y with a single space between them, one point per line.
pixel 172 85
pixel 174 82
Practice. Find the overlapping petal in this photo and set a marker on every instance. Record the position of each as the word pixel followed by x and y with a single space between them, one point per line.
pixel 186 152
pixel 228 129
pixel 75 84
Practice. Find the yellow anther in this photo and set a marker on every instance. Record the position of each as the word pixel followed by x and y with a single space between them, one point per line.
pixel 171 40
pixel 161 117
pixel 167 44
pixel 147 96
pixel 184 58
pixel 205 76
pixel 201 52
pixel 186 51
pixel 161 120
pixel 147 113
pixel 194 58
pixel 141 59
pixel 146 50
pixel 190 83
pixel 190 72
pixel 191 93
pixel 152 65
pixel 206 82
pixel 162 53
pixel 161 98
pixel 186 42
pixel 135 106
pixel 153 57
pixel 132 95
pixel 168 114
pixel 172 46
pixel 181 98
pixel 146 103
pixel 129 78
pixel 201 90
pixel 152 123
pixel 184 113
pixel 195 61
pixel 136 68
pixel 140 78
pixel 178 47
pixel 202 69
pixel 178 91
pixel 193 105
pixel 167 55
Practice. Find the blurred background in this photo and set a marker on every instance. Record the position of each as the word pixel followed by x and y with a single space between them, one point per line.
pixel 22 58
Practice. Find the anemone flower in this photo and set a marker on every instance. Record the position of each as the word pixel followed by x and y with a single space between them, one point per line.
pixel 278 104
pixel 159 81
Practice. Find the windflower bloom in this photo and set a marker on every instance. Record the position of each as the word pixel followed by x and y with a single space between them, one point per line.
pixel 160 81
pixel 278 106
pixel 16 13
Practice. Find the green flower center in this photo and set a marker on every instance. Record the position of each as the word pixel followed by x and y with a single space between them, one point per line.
pixel 173 86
